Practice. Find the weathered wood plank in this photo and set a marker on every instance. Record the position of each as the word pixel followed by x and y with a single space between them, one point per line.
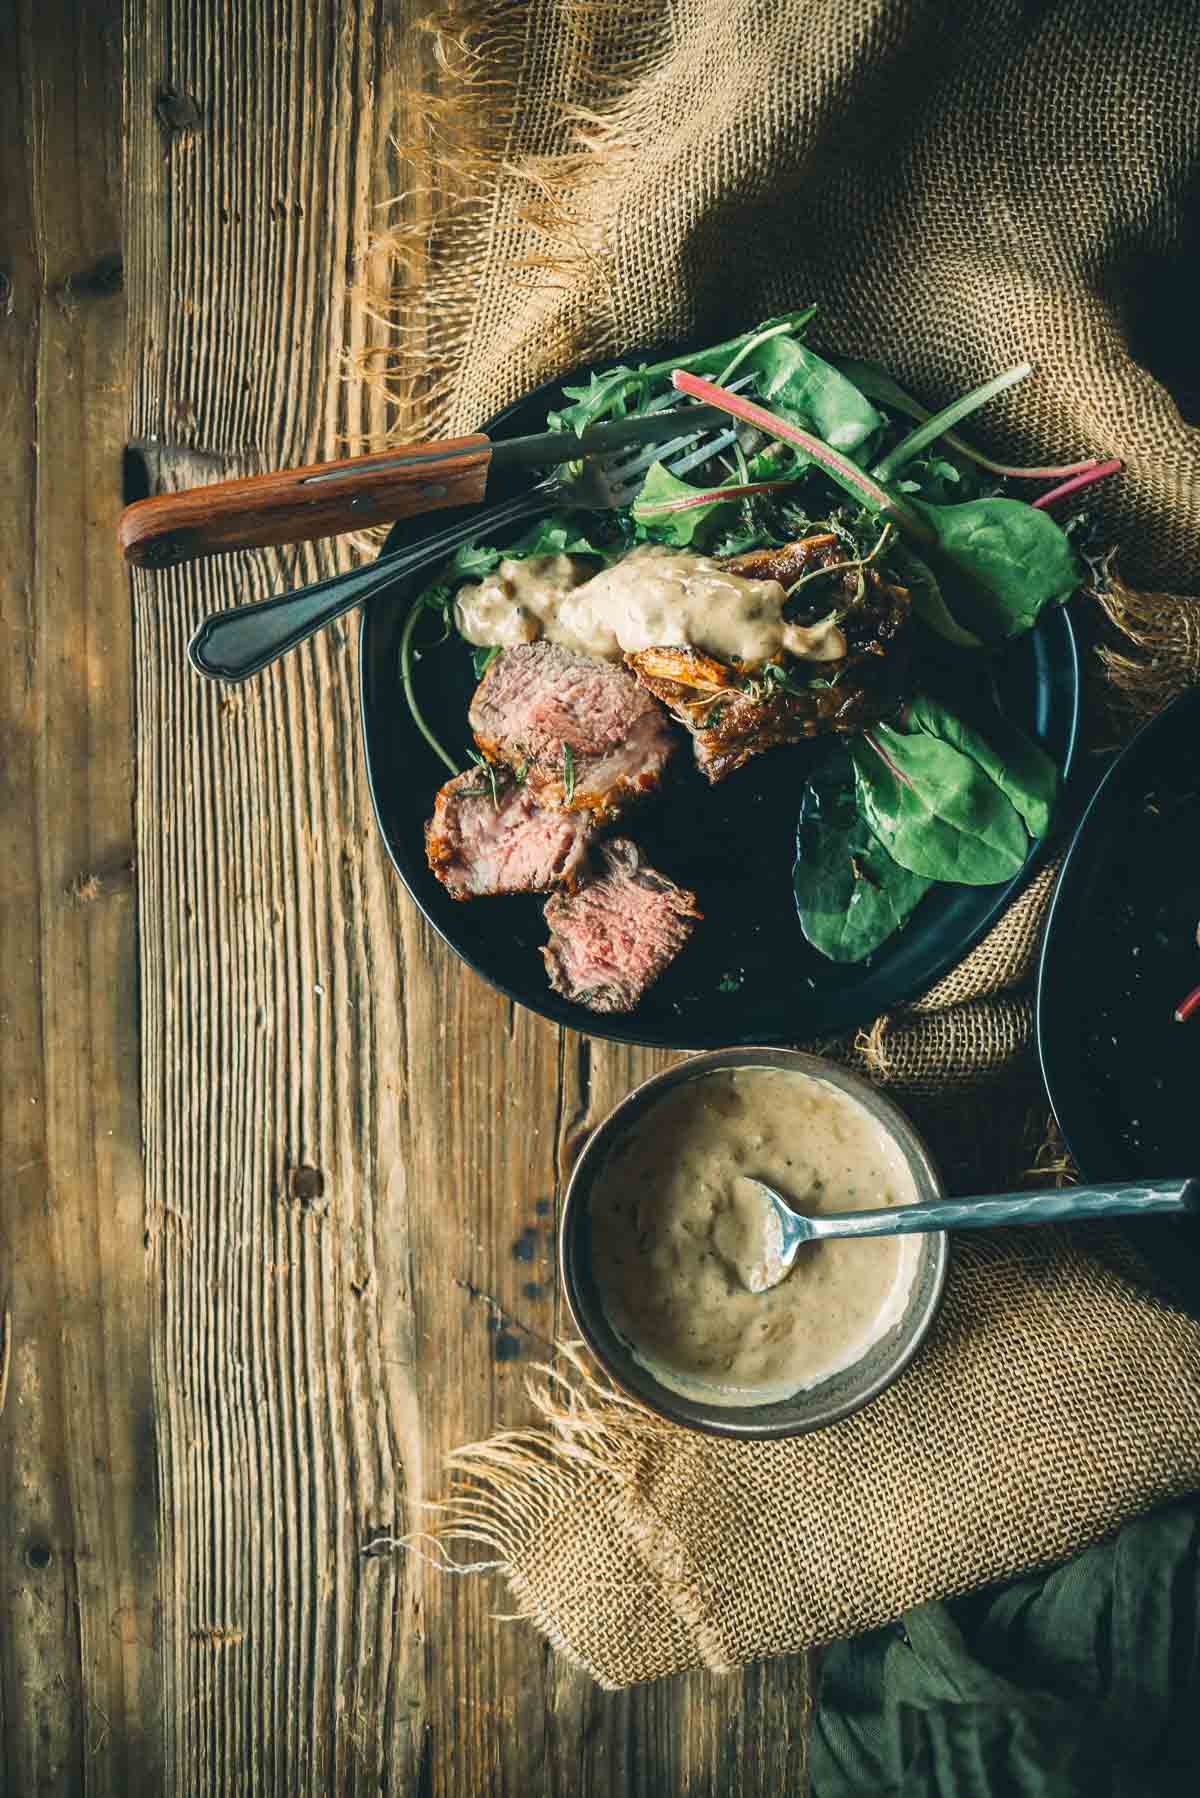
pixel 353 1146
pixel 79 1706
pixel 271 985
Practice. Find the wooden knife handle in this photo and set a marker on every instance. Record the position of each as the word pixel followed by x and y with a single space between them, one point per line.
pixel 301 503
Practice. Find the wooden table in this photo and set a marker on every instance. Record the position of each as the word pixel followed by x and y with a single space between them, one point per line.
pixel 279 1175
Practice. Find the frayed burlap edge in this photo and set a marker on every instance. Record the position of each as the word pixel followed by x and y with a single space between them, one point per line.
pixel 1153 654
pixel 541 206
pixel 506 1493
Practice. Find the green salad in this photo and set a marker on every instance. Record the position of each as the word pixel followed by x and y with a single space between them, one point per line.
pixel 837 446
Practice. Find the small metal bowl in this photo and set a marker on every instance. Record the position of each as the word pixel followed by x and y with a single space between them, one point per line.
pixel 819 1405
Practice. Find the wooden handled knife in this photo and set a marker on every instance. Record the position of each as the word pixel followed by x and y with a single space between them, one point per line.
pixel 298 504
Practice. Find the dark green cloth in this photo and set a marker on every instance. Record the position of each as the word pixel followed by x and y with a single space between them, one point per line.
pixel 1081 1681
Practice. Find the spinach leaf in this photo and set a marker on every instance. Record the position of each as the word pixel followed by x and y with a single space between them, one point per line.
pixel 935 810
pixel 928 602
pixel 809 391
pixel 1021 769
pixel 650 508
pixel 1015 560
pixel 850 895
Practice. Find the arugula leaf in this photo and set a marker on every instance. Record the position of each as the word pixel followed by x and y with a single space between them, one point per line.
pixel 562 534
pixel 935 810
pixel 610 395
pixel 850 895
pixel 1021 769
pixel 1014 565
pixel 928 602
pixel 482 657
pixel 809 391
pixel 568 773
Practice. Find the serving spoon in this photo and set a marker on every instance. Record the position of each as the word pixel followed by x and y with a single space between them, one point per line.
pixel 996 1210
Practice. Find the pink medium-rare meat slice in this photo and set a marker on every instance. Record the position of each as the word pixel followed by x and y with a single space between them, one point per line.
pixel 588 735
pixel 612 937
pixel 479 842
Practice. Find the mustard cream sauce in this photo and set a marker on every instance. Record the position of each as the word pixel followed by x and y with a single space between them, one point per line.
pixel 652 597
pixel 677 1230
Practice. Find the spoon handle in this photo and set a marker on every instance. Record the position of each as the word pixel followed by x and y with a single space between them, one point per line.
pixel 1126 1199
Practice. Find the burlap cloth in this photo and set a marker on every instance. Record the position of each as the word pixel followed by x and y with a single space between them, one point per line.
pixel 959 188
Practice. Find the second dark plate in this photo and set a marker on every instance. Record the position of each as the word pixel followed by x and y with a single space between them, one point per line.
pixel 1119 953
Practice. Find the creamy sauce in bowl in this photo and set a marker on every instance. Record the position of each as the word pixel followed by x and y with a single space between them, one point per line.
pixel 676 1231
pixel 652 598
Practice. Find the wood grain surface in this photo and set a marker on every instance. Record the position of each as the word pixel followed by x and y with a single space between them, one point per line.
pixel 79 1685
pixel 353 1149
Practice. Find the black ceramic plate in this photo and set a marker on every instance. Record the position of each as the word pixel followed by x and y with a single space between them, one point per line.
pixel 1120 952
pixel 748 976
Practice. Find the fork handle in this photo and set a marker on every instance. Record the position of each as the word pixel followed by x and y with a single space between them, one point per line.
pixel 295 505
pixel 245 639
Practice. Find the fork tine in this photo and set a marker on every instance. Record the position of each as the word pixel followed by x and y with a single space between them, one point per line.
pixel 706 450
pixel 665 403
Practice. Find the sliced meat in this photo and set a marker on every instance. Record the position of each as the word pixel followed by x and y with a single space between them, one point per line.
pixel 614 936
pixel 589 737
pixel 734 713
pixel 479 844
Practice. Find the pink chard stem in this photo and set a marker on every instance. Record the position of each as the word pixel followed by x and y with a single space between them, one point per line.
pixel 1100 472
pixel 839 468
pixel 651 508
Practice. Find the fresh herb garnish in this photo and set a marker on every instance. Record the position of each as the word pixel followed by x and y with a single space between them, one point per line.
pixel 485 767
pixel 416 611
pixel 568 774
pixel 858 562
pixel 482 657
pixel 778 678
